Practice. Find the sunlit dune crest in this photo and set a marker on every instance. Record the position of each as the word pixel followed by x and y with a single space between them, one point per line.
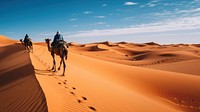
pixel 6 40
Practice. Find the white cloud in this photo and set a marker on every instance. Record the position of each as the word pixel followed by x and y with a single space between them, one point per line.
pixel 167 4
pixel 100 17
pixel 130 3
pixel 175 13
pixel 189 11
pixel 107 25
pixel 149 5
pixel 73 19
pixel 164 13
pixel 129 18
pixel 187 23
pixel 87 12
pixel 100 23
pixel 104 5
pixel 154 1
pixel 176 4
pixel 152 5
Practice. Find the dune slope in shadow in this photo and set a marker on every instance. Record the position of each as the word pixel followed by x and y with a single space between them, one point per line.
pixel 19 89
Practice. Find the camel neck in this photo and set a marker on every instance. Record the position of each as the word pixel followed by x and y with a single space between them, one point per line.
pixel 49 47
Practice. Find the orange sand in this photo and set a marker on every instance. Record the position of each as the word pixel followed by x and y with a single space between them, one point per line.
pixel 104 77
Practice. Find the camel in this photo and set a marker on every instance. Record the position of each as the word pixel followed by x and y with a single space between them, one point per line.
pixel 28 45
pixel 61 51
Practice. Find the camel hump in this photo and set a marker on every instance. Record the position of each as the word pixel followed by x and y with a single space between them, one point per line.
pixel 29 39
pixel 57 47
pixel 64 43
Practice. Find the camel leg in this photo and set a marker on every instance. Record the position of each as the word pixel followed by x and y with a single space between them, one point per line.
pixel 25 44
pixel 63 59
pixel 54 62
pixel 64 66
pixel 66 57
pixel 26 49
pixel 61 56
pixel 31 46
pixel 60 64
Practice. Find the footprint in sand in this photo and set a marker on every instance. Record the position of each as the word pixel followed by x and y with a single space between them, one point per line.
pixel 79 101
pixel 84 98
pixel 92 108
pixel 72 93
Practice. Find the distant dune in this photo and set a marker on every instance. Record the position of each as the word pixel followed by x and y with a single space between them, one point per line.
pixel 102 76
pixel 4 40
pixel 152 43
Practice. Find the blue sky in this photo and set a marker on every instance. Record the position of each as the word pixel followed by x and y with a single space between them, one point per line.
pixel 84 21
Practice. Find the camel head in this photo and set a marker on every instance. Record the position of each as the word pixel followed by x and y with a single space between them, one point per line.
pixel 21 41
pixel 48 40
pixel 48 44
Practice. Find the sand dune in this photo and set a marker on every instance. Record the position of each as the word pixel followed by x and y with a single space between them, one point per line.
pixel 5 41
pixel 135 55
pixel 189 67
pixel 90 83
pixel 19 88
pixel 100 47
pixel 195 45
pixel 73 44
pixel 152 43
pixel 164 84
pixel 140 90
pixel 104 77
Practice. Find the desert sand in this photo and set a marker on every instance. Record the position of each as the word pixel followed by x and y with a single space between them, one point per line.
pixel 101 76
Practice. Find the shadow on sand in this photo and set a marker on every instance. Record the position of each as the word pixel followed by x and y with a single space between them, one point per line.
pixel 19 87
pixel 43 72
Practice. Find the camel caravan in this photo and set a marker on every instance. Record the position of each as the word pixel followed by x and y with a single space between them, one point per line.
pixel 57 47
